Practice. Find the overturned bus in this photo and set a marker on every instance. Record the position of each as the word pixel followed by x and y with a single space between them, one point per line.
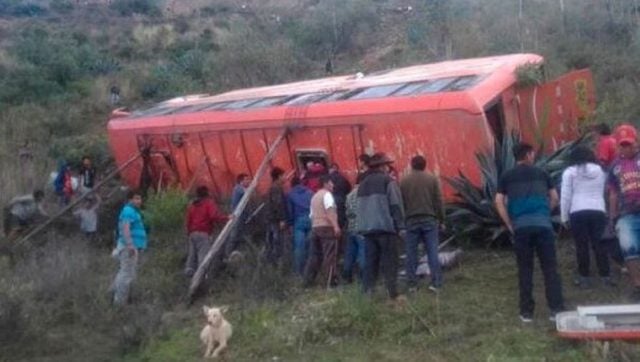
pixel 445 111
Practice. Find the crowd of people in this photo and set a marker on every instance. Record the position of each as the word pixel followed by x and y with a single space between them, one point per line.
pixel 327 217
pixel 600 190
pixel 23 211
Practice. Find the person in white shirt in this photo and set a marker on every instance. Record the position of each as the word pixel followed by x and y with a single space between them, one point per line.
pixel 583 210
pixel 87 214
pixel 325 232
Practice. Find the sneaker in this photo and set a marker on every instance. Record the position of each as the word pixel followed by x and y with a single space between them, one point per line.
pixel 607 281
pixel 526 318
pixel 434 289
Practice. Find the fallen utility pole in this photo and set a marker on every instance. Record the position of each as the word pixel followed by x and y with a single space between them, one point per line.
pixel 217 245
pixel 75 202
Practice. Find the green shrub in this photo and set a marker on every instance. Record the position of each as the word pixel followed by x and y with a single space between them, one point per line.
pixel 473 214
pixel 47 64
pixel 164 211
pixel 529 75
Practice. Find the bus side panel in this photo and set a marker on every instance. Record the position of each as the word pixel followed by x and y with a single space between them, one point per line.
pixel 236 157
pixel 448 140
pixel 552 113
pixel 344 150
pixel 198 172
pixel 253 143
pixel 282 158
pixel 222 180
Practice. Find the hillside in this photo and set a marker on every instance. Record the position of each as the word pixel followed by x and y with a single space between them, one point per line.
pixel 59 60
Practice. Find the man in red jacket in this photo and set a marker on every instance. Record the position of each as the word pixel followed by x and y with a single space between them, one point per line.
pixel 202 215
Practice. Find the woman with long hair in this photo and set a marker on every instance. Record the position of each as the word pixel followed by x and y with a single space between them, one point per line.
pixel 583 209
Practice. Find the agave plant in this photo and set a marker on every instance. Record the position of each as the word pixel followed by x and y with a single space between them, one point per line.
pixel 473 214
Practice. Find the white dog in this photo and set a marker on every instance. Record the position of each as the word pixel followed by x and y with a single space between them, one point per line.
pixel 217 330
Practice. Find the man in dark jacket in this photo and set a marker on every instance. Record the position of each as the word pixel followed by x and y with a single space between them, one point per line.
pixel 341 188
pixel 380 219
pixel 424 213
pixel 276 212
pixel 298 204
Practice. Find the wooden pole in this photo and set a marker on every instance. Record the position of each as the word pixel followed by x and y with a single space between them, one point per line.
pixel 217 245
pixel 78 200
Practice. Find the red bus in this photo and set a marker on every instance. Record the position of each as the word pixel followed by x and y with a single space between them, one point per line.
pixel 445 111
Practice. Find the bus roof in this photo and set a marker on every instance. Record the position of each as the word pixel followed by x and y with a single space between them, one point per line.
pixel 480 79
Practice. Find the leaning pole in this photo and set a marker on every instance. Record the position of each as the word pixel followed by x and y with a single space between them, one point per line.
pixel 197 278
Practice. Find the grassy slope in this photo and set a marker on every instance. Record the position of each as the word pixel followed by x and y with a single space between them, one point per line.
pixel 474 318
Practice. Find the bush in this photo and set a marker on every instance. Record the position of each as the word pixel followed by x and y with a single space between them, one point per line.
pixel 164 211
pixel 47 64
pixel 529 75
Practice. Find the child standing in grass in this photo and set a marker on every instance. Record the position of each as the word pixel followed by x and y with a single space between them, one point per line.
pixel 88 216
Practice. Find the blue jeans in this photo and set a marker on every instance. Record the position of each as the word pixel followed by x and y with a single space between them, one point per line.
pixel 628 229
pixel 427 233
pixel 353 254
pixel 301 230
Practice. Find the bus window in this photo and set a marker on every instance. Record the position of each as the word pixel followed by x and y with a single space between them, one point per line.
pixel 266 102
pixel 377 92
pixel 436 85
pixel 410 88
pixel 333 96
pixel 461 83
pixel 305 99
pixel 239 104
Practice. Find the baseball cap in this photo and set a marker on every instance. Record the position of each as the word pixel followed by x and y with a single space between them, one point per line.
pixel 625 133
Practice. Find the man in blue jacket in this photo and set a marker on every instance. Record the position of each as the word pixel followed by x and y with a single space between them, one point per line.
pixel 298 204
